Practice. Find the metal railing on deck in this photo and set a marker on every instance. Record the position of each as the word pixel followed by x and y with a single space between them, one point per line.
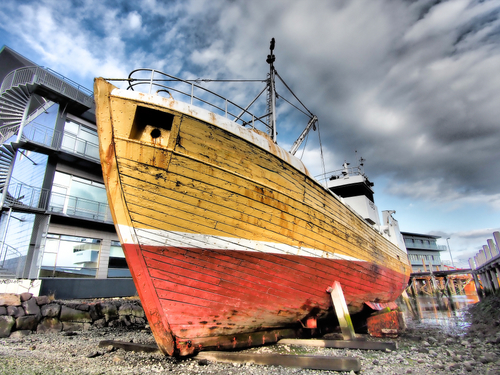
pixel 155 81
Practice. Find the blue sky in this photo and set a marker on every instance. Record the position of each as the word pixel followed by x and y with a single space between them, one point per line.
pixel 412 86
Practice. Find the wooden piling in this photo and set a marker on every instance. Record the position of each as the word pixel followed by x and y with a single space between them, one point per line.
pixel 344 344
pixel 301 361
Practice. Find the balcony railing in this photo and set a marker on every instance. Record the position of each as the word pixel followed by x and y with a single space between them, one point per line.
pixel 80 147
pixel 25 196
pixel 424 246
pixel 79 207
pixel 48 137
pixel 29 197
pixel 418 262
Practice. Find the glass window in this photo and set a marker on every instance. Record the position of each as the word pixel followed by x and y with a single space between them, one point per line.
pixel 76 196
pixel 70 256
pixel 117 264
pixel 80 139
pixel 41 128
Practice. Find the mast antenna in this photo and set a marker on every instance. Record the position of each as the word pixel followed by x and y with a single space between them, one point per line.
pixel 272 93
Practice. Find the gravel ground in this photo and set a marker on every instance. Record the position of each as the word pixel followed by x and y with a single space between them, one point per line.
pixel 422 349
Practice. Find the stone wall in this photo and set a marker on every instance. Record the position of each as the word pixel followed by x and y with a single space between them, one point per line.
pixel 21 314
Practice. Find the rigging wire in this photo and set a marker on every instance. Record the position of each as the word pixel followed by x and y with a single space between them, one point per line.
pixel 322 156
pixel 294 106
pixel 295 96
pixel 186 80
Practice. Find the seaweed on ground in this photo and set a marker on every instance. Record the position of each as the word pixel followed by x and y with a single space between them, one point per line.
pixel 484 317
pixel 485 311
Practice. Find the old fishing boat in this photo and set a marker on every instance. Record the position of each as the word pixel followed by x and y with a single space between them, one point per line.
pixel 231 243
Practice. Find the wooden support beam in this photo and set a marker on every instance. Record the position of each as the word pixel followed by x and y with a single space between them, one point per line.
pixel 478 285
pixel 494 278
pixel 451 285
pixel 340 307
pixel 344 344
pixel 129 346
pixel 301 361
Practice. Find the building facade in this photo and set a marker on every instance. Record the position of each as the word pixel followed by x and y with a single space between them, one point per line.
pixel 55 222
pixel 423 251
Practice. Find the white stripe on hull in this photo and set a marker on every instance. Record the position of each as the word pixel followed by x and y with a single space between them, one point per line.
pixel 152 237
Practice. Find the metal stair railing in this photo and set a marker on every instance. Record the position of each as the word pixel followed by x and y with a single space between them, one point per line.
pixel 43 108
pixel 36 75
pixel 7 154
pixel 6 250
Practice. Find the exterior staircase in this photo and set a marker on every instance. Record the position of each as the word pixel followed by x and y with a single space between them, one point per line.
pixel 18 87
pixel 7 154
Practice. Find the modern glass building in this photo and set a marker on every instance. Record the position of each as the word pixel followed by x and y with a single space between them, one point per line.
pixel 423 249
pixel 55 221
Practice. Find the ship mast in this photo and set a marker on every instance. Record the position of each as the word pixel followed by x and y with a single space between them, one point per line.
pixel 272 93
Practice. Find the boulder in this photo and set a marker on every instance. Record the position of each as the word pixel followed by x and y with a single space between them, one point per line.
pixel 27 322
pixel 42 300
pixel 131 309
pixel 9 299
pixel 30 307
pixel 95 311
pixel 100 323
pixel 49 325
pixel 19 334
pixel 109 311
pixel 6 324
pixel 25 296
pixel 15 311
pixel 82 306
pixel 51 310
pixel 75 326
pixel 73 315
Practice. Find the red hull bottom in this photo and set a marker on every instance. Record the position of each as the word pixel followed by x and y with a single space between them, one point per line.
pixel 198 298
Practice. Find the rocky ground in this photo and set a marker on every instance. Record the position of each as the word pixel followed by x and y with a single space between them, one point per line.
pixel 423 349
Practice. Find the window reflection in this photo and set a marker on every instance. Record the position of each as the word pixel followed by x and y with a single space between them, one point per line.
pixel 70 256
pixel 117 264
pixel 41 128
pixel 76 196
pixel 80 139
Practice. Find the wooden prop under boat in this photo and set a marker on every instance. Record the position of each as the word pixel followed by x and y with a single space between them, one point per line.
pixel 230 242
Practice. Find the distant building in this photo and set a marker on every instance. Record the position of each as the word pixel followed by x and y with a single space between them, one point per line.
pixel 55 221
pixel 423 249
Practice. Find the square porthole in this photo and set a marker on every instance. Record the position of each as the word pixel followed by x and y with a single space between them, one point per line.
pixel 151 124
